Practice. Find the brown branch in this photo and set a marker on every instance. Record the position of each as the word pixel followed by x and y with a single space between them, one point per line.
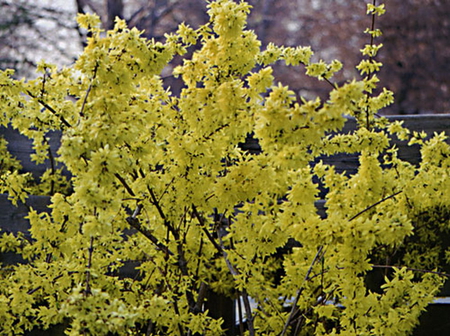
pixel 165 190
pixel 374 205
pixel 155 202
pixel 125 184
pixel 44 77
pixel 177 312
pixel 302 318
pixel 52 166
pixel 182 262
pixel 329 82
pixel 31 291
pixel 134 222
pixel 87 291
pixel 208 137
pixel 318 256
pixel 413 269
pixel 202 291
pixel 48 107
pixel 159 291
pixel 235 273
pixel 205 230
pixel 372 28
pixel 88 91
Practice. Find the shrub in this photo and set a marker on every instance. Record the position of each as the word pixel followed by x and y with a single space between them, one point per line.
pixel 205 214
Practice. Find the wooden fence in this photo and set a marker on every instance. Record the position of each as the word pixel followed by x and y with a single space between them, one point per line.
pixel 12 219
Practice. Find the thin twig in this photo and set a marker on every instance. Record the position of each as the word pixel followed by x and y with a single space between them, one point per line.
pixel 302 318
pixel 183 265
pixel 413 269
pixel 88 91
pixel 134 222
pixel 205 230
pixel 156 203
pixel 31 291
pixel 373 205
pixel 318 256
pixel 87 291
pixel 235 273
pixel 182 261
pixel 177 312
pixel 329 82
pixel 125 184
pixel 372 28
pixel 44 77
pixel 199 258
pixel 168 224
pixel 48 107
pixel 165 190
pixel 52 166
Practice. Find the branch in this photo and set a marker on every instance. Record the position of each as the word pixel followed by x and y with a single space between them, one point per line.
pixel 31 291
pixel 329 82
pixel 372 28
pixel 205 230
pixel 235 273
pixel 125 184
pixel 52 165
pixel 301 319
pixel 88 91
pixel 48 107
pixel 134 222
pixel 413 269
pixel 202 291
pixel 374 205
pixel 318 256
pixel 156 203
pixel 182 262
pixel 87 291
pixel 208 137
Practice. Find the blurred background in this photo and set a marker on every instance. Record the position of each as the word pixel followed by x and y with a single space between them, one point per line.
pixel 416 38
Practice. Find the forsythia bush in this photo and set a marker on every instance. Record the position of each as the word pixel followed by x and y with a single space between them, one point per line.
pixel 159 180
